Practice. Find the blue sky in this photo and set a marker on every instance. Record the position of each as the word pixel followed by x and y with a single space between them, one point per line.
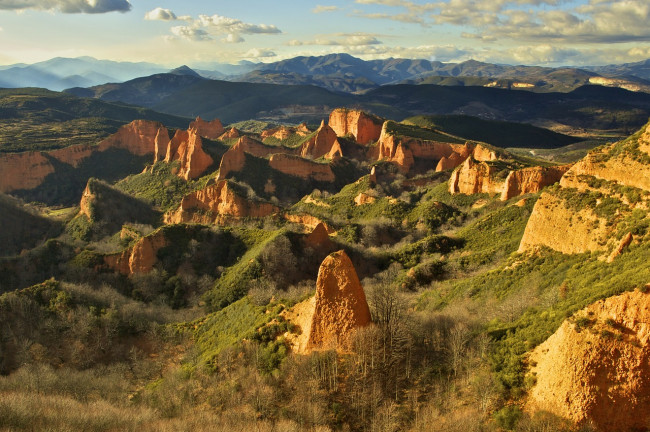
pixel 200 32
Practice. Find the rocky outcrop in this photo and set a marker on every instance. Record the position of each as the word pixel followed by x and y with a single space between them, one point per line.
pixel 218 202
pixel 284 132
pixel 596 367
pixel 531 180
pixel 565 230
pixel 363 127
pixel 231 133
pixel 320 144
pixel 624 243
pixel 300 167
pixel 308 221
pixel 187 147
pixel 28 170
pixel 597 199
pixel 340 304
pixel 23 170
pixel 474 177
pixel 140 258
pixel 319 239
pixel 235 159
pixel 363 198
pixel 210 130
pixel 625 163
pixel 402 151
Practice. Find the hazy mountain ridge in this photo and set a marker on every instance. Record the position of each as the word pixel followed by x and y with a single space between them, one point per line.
pixel 337 72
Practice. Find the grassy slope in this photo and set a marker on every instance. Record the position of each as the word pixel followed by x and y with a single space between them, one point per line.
pixel 500 134
pixel 38 119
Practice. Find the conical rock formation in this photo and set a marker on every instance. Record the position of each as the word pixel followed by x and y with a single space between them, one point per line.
pixel 340 304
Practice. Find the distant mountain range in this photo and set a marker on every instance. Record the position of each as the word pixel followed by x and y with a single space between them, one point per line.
pixel 590 107
pixel 336 72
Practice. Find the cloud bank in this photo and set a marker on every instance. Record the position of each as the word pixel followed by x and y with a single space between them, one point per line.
pixel 68 6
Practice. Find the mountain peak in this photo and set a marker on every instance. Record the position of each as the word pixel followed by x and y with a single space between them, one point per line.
pixel 184 70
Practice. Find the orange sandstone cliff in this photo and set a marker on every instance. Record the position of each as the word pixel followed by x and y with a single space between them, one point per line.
pixel 187 147
pixel 300 167
pixel 531 180
pixel 208 129
pixel 28 170
pixel 320 144
pixel 598 370
pixel 217 202
pixel 608 186
pixel 363 127
pixel 140 258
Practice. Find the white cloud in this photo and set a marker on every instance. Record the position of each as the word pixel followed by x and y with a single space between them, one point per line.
pixel 597 21
pixel 340 40
pixel 68 6
pixel 257 53
pixel 233 38
pixel 207 27
pixel 190 33
pixel 224 24
pixel 320 9
pixel 160 14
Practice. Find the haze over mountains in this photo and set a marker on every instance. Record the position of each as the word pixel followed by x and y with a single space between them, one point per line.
pixel 337 72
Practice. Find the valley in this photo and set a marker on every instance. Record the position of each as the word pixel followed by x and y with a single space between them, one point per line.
pixel 241 256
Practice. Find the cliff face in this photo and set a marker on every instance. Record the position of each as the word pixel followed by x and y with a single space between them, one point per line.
pixel 319 239
pixel 600 373
pixel 28 170
pixel 284 132
pixel 597 198
pixel 553 225
pixel 402 151
pixel 210 130
pixel 340 304
pixel 187 147
pixel 475 177
pixel 320 144
pixel 234 159
pixel 531 180
pixel 303 168
pixel 363 127
pixel 218 202
pixel 140 258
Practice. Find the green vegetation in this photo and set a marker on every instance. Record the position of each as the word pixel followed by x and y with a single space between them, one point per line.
pixel 498 133
pixel 23 227
pixel 39 119
pixel 159 185
pixel 107 209
pixel 411 129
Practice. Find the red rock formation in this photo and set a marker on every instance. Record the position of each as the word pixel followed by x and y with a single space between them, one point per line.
pixel 308 221
pixel 531 180
pixel 363 127
pixel 599 374
pixel 210 130
pixel 187 147
pixel 319 239
pixel 303 168
pixel 23 170
pixel 363 198
pixel 140 258
pixel 320 144
pixel 475 177
pixel 231 133
pixel 340 304
pixel 215 203
pixel 402 151
pixel 234 159
pixel 28 170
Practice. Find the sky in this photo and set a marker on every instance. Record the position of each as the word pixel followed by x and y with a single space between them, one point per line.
pixel 202 32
